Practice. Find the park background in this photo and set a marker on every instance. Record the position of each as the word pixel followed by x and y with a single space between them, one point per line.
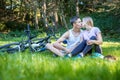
pixel 42 14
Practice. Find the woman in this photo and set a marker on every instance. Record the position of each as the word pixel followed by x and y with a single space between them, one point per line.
pixel 91 37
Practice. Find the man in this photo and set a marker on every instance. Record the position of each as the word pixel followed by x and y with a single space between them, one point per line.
pixel 73 37
pixel 92 39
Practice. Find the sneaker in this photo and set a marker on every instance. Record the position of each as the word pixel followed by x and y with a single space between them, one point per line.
pixel 99 55
pixel 70 55
pixel 79 56
pixel 66 56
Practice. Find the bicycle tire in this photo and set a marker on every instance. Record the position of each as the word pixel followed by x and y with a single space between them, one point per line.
pixel 38 45
pixel 8 45
pixel 11 48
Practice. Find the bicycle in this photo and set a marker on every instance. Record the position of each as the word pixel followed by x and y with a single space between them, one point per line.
pixel 35 45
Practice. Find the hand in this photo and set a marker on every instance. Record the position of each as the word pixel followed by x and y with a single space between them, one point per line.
pixel 67 50
pixel 90 42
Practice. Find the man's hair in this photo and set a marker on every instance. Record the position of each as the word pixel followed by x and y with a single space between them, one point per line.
pixel 73 19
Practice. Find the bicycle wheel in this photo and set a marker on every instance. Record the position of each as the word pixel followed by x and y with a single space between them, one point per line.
pixel 10 48
pixel 8 45
pixel 38 45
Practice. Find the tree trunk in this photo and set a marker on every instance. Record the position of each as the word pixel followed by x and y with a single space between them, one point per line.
pixel 64 21
pixel 44 13
pixel 20 9
pixel 56 18
pixel 36 19
pixel 77 7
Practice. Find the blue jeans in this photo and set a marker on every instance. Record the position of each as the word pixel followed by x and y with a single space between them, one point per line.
pixel 84 48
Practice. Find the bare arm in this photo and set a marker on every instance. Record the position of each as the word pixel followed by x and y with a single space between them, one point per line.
pixel 58 45
pixel 99 40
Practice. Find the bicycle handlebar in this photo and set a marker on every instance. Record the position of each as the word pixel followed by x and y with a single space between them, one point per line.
pixel 29 43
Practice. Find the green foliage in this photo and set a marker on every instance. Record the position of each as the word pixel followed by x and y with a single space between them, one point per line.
pixel 107 22
pixel 13 25
pixel 106 13
pixel 2 26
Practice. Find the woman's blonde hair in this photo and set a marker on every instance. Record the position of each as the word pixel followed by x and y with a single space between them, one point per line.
pixel 88 20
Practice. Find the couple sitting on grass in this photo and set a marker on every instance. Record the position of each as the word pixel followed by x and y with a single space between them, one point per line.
pixel 79 42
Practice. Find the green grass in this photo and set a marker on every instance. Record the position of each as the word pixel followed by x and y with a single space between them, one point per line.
pixel 43 66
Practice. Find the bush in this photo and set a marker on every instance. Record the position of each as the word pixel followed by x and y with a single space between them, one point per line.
pixel 14 25
pixel 108 23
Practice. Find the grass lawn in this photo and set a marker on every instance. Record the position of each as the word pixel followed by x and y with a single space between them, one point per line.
pixel 43 66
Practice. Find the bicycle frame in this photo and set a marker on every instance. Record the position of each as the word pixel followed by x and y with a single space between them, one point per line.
pixel 41 43
pixel 29 43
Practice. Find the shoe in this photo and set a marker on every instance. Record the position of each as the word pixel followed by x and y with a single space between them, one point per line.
pixel 66 56
pixel 99 55
pixel 79 56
